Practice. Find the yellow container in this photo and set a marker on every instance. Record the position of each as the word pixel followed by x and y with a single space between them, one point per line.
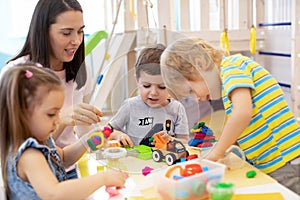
pixel 83 165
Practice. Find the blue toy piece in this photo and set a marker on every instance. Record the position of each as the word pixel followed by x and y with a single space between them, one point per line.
pixel 207 130
pixel 182 194
pixel 194 142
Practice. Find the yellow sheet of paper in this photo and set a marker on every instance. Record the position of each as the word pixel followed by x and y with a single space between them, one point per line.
pixel 264 196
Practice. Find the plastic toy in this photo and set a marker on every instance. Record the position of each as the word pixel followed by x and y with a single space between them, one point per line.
pixel 172 169
pixel 168 125
pixel 114 152
pixel 220 190
pixel 170 151
pixel 251 174
pixel 188 170
pixel 146 170
pixel 234 157
pixel 96 139
pixel 194 186
pixel 141 151
pixel 192 156
pixel 192 169
pixel 107 130
pixel 113 143
pixel 197 186
pixel 113 190
pixel 147 140
pixel 203 136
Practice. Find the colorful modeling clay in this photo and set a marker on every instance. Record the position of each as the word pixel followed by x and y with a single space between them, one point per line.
pixel 96 140
pixel 251 174
pixel 146 170
pixel 203 136
pixel 107 130
pixel 192 169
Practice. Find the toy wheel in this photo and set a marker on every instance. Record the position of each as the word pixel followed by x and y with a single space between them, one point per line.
pixel 157 156
pixel 170 159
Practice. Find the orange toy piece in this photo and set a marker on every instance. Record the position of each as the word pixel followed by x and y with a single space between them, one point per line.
pixel 188 170
pixel 160 143
pixel 192 169
pixel 172 169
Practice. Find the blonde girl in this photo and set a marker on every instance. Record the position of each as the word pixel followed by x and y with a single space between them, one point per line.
pixel 32 166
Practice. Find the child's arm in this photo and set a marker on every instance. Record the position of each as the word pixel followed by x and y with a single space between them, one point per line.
pixel 33 168
pixel 72 153
pixel 237 122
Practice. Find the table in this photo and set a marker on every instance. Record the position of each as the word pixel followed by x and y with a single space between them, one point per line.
pixel 139 187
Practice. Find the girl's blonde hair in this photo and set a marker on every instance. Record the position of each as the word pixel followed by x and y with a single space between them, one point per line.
pixel 18 91
pixel 185 59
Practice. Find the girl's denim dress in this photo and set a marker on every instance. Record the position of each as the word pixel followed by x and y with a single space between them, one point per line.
pixel 20 189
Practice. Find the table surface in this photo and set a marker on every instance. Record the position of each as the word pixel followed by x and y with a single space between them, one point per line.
pixel 139 187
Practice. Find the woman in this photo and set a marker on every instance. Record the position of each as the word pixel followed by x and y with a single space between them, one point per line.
pixel 56 41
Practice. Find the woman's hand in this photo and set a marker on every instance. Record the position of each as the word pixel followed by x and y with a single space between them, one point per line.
pixel 81 114
pixel 123 138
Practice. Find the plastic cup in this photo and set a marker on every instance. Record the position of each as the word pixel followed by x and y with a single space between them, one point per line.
pixel 220 190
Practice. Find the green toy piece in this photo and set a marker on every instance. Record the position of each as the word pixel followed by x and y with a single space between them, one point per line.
pixel 145 152
pixel 222 191
pixel 223 185
pixel 198 125
pixel 251 174
pixel 151 139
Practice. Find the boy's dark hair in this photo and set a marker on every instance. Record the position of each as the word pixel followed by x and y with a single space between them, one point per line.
pixel 149 60
pixel 37 40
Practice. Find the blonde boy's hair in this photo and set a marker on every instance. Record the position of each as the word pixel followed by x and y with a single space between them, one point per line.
pixel 190 55
pixel 187 60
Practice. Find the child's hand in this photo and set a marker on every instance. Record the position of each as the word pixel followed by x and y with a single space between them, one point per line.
pixel 123 138
pixel 115 178
pixel 214 155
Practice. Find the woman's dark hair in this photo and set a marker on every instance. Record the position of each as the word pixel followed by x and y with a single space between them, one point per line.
pixel 37 41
